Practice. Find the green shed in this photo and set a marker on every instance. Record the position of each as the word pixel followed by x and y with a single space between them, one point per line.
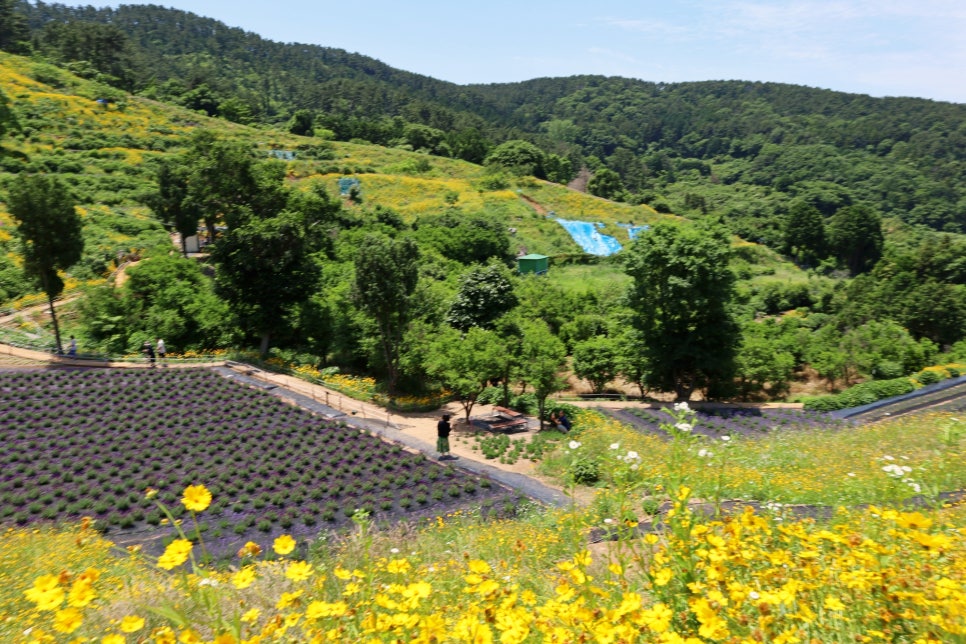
pixel 533 263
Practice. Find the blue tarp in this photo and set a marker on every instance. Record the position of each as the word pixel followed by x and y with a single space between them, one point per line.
pixel 633 231
pixel 586 235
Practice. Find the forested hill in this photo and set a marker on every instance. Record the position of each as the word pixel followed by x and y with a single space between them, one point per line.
pixel 747 152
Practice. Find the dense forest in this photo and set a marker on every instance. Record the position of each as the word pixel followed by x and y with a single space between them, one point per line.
pixel 851 209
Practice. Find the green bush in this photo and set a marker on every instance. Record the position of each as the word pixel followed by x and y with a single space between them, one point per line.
pixel 862 394
pixel 927 377
pixel 585 470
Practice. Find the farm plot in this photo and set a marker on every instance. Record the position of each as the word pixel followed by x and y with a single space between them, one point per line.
pixel 79 444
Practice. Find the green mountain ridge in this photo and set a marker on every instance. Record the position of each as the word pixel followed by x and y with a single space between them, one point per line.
pixel 745 151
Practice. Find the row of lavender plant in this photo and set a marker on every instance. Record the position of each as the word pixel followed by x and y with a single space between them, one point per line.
pixel 89 443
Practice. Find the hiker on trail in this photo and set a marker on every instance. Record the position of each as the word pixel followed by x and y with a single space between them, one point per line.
pixel 148 349
pixel 442 437
pixel 161 350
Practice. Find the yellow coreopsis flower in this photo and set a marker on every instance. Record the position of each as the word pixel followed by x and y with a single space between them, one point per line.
pixel 398 566
pixel 81 593
pixel 196 498
pixel 46 592
pixel 299 570
pixel 834 603
pixel 243 578
pixel 189 636
pixel 284 545
pixel 132 623
pixel 251 616
pixel 67 620
pixel 115 638
pixel 175 554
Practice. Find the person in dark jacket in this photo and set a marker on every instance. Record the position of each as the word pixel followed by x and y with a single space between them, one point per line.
pixel 442 436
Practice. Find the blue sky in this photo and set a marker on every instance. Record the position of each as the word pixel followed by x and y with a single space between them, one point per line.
pixel 877 47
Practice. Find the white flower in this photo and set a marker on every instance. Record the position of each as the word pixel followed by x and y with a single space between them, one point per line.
pixel 573 445
pixel 394 551
pixel 608 521
pixel 852 474
pixel 635 466
pixel 681 406
pixel 208 581
pixel 615 445
pixel 704 453
pixel 887 458
pixel 726 438
pixel 753 595
pixel 685 427
pixel 915 487
pixel 631 456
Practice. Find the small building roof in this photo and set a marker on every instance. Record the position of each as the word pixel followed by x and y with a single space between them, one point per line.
pixel 533 256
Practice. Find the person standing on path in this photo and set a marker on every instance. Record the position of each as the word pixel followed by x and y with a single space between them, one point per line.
pixel 161 350
pixel 442 437
pixel 148 349
pixel 72 348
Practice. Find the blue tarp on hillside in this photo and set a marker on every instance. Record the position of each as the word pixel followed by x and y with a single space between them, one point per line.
pixel 633 231
pixel 587 236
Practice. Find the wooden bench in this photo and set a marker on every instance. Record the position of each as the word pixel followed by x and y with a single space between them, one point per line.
pixel 507 413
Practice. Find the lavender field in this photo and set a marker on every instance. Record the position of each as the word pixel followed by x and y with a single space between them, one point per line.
pixel 89 443
pixel 739 422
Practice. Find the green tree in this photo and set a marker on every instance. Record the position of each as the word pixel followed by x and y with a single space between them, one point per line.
pixel 762 362
pixel 14 32
pixel 632 364
pixel 485 294
pixel 681 296
pixel 465 238
pixel 465 362
pixel 172 203
pixel 302 123
pixel 595 360
pixel 804 234
pixel 607 184
pixel 50 232
pixel 855 237
pixel 264 269
pixel 542 357
pixel 163 296
pixel 520 157
pixel 386 275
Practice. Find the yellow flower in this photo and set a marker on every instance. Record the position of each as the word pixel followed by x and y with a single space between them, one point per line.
pixel 662 577
pixel 46 592
pixel 319 609
pixel 81 593
pixel 479 566
pixel 299 570
pixel 175 554
pixel 196 498
pixel 132 623
pixel 398 566
pixel 114 638
pixel 251 616
pixel 288 599
pixel 834 603
pixel 284 545
pixel 67 620
pixel 243 578
pixel 250 549
pixel 189 636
